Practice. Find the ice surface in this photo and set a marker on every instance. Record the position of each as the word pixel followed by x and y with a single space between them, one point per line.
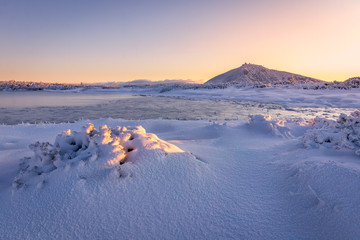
pixel 122 106
pixel 15 100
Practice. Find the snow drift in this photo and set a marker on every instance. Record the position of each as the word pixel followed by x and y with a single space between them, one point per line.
pixel 288 129
pixel 340 134
pixel 101 151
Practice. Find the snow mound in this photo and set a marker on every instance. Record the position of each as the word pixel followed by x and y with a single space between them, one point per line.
pixel 288 129
pixel 98 151
pixel 344 133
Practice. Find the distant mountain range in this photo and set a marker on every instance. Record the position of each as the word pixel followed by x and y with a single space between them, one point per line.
pixel 247 75
pixel 140 82
pixel 257 74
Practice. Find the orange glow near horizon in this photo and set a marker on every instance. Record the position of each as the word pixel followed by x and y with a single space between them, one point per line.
pixel 186 41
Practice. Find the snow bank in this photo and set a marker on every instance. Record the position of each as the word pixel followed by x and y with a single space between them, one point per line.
pixel 102 151
pixel 343 133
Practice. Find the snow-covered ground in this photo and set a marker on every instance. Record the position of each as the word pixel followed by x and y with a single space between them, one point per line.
pixel 291 96
pixel 287 96
pixel 259 178
pixel 256 179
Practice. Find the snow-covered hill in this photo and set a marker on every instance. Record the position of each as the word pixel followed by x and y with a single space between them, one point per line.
pixel 36 86
pixel 257 74
pixel 352 82
pixel 13 85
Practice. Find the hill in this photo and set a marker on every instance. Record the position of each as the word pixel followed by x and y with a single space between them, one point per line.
pixel 257 74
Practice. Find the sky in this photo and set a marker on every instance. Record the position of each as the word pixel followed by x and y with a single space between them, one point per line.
pixel 104 41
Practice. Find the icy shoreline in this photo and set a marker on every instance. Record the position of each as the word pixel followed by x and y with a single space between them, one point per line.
pixel 50 107
pixel 339 94
pixel 291 97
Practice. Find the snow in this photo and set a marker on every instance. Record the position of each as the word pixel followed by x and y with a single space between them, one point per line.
pixel 341 134
pixel 266 177
pixel 288 96
pixel 103 150
pixel 257 74
pixel 292 97
pixel 260 85
pixel 256 179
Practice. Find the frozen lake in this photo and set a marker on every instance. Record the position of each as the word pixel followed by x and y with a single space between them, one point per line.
pixel 56 107
pixel 55 99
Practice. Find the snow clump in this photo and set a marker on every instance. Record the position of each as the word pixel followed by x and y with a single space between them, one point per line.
pixel 344 133
pixel 99 150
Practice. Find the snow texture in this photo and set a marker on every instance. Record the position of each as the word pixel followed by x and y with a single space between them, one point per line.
pixel 286 96
pixel 245 182
pixel 287 129
pixel 101 151
pixel 341 134
pixel 344 133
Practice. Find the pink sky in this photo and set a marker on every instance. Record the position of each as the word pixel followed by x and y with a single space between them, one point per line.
pixel 100 41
